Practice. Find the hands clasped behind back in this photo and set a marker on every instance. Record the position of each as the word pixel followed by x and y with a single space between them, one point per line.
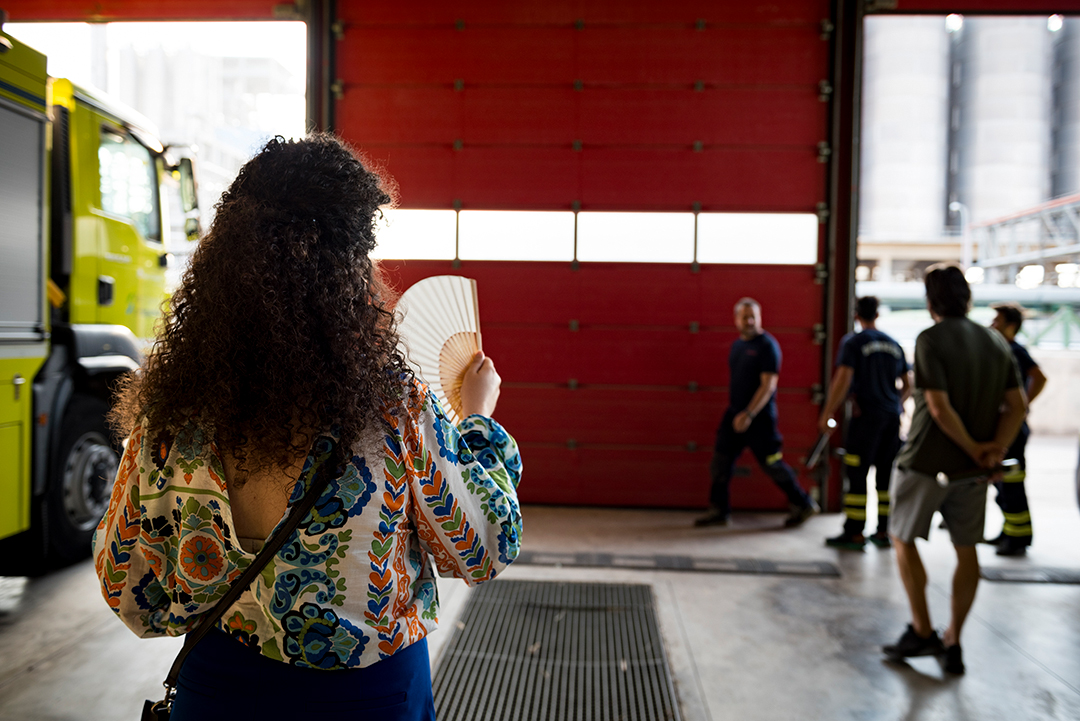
pixel 480 387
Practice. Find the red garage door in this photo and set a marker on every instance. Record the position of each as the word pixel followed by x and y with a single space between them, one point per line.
pixel 600 105
pixel 611 391
pixel 615 375
pixel 615 105
pixel 603 105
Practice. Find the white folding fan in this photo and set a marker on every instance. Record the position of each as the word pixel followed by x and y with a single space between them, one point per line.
pixel 439 328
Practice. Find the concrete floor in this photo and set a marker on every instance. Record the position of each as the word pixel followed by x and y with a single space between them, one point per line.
pixel 740 646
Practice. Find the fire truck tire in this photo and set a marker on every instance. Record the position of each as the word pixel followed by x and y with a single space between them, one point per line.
pixel 80 480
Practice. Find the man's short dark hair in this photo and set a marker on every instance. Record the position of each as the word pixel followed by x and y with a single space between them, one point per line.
pixel 866 307
pixel 747 301
pixel 947 291
pixel 1013 313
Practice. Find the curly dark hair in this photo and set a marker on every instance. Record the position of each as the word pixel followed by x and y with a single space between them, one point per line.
pixel 282 325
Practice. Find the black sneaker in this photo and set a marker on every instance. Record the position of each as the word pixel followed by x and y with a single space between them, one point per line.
pixel 799 515
pixel 1010 546
pixel 881 540
pixel 912 644
pixel 713 518
pixel 953 661
pixel 847 541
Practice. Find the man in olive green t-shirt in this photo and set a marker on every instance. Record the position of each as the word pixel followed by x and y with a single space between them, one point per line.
pixel 968 408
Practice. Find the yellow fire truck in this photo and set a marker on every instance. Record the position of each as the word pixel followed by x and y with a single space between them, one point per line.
pixel 84 191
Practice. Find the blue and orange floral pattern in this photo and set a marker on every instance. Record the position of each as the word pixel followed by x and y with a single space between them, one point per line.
pixel 355 583
pixel 243 630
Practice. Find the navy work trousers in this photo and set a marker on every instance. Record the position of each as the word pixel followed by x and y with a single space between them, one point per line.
pixel 1011 495
pixel 765 442
pixel 873 439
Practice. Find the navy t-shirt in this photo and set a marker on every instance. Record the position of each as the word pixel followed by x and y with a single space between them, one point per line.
pixel 877 361
pixel 1026 363
pixel 747 361
pixel 1024 360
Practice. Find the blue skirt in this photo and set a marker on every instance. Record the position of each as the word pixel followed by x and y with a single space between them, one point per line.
pixel 224 679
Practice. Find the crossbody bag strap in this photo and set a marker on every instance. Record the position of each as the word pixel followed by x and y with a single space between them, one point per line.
pixel 320 474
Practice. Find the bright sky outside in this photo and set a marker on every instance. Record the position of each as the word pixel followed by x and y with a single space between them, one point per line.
pixel 67 45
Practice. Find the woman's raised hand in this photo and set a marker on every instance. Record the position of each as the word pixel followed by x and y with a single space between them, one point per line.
pixel 480 387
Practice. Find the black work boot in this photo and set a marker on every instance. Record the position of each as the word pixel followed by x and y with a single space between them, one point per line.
pixel 713 517
pixel 847 541
pixel 1012 546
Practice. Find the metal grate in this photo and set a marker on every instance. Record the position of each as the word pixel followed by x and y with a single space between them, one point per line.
pixel 682 563
pixel 542 650
pixel 1032 574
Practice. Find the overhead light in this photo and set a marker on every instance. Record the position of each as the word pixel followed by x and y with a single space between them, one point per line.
pixel 1068 275
pixel 1030 276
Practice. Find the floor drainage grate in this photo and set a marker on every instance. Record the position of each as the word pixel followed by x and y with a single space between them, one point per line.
pixel 1032 575
pixel 682 563
pixel 543 650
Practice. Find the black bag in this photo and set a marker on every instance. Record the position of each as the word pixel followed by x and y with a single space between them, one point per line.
pixel 157 710
pixel 161 710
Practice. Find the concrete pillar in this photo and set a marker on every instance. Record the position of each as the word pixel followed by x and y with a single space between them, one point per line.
pixel 126 76
pixel 1067 91
pixel 905 131
pixel 154 84
pixel 884 268
pixel 1004 115
pixel 99 56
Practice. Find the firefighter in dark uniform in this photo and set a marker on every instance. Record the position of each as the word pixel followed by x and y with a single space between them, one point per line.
pixel 867 368
pixel 1016 535
pixel 750 421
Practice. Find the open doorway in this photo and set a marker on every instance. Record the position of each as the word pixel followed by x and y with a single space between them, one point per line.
pixel 970 153
pixel 218 88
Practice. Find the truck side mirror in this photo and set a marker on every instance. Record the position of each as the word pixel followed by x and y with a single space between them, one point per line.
pixel 187 185
pixel 5 44
pixel 192 229
pixel 106 286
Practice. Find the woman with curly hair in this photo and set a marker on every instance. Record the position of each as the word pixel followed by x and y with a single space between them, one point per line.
pixel 279 356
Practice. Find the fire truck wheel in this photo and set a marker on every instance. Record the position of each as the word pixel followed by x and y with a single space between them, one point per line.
pixel 81 479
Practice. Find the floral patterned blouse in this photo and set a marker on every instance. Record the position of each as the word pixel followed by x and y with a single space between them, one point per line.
pixel 354 583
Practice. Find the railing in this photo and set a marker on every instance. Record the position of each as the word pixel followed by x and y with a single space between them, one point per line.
pixel 1061 329
pixel 1050 231
pixel 1053 313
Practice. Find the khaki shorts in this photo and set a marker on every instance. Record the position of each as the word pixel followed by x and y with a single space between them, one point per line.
pixel 914 497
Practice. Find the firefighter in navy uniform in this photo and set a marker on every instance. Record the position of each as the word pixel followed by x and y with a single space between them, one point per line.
pixel 750 421
pixel 868 366
pixel 1016 535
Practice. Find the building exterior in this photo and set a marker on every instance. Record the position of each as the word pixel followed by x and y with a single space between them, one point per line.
pixel 970 126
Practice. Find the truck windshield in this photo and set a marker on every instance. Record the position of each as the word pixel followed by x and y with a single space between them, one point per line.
pixel 129 183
